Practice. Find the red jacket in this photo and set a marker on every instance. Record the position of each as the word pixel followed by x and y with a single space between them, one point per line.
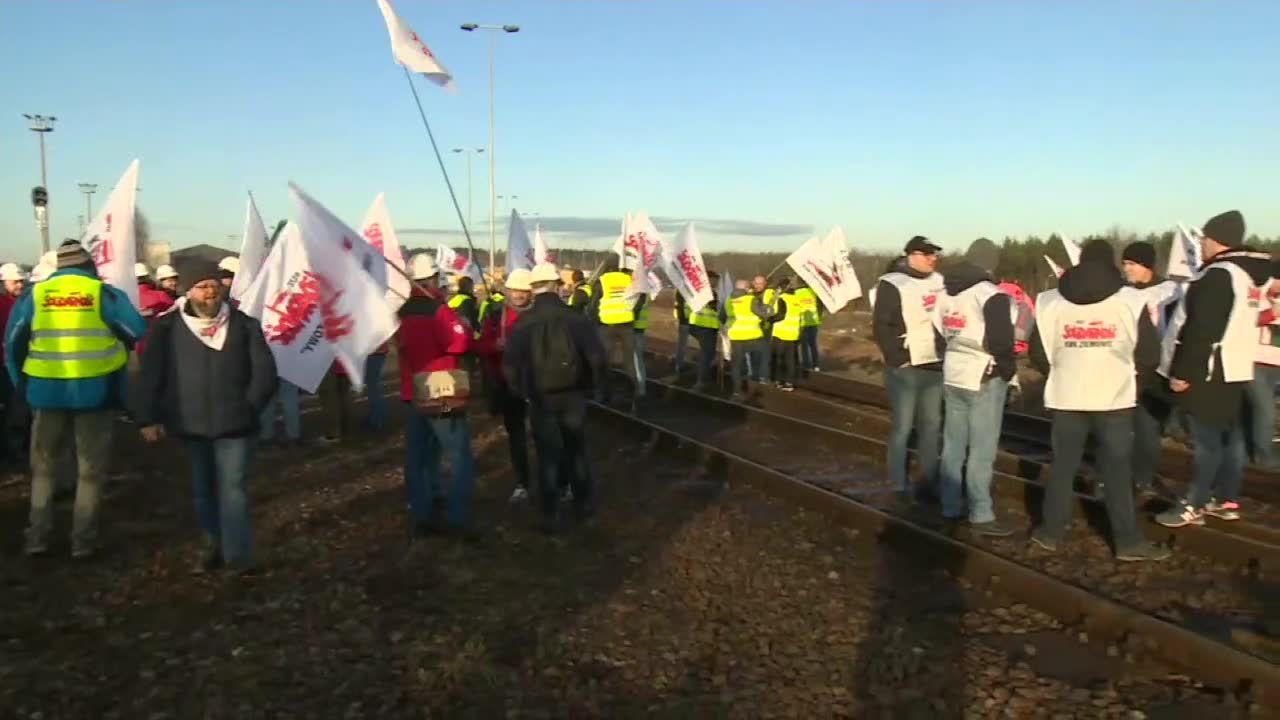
pixel 152 303
pixel 431 337
pixel 493 341
pixel 7 302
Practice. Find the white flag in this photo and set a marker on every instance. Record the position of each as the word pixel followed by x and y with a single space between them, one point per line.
pixel 849 288
pixel 110 237
pixel 1073 250
pixel 381 235
pixel 685 269
pixel 643 243
pixel 725 290
pixel 452 262
pixel 285 298
pixel 409 50
pixel 356 319
pixel 619 245
pixel 1057 270
pixel 1184 253
pixel 814 263
pixel 540 250
pixel 519 248
pixel 253 250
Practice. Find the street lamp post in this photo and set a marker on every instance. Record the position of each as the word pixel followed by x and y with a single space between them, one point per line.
pixel 493 203
pixel 506 208
pixel 88 189
pixel 41 125
pixel 469 155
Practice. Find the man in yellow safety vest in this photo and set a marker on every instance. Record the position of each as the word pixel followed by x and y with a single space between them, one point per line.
pixel 744 315
pixel 67 343
pixel 579 292
pixel 615 312
pixel 786 337
pixel 463 303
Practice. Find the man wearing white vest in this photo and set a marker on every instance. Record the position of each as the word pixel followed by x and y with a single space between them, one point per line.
pixel 977 324
pixel 1155 402
pixel 903 322
pixel 1093 339
pixel 1209 363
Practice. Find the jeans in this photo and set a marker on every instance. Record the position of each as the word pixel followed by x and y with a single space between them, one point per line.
pixel 374 392
pixel 218 477
pixel 915 400
pixel 1260 398
pixel 1150 419
pixel 784 360
pixel 335 399
pixel 560 435
pixel 1218 468
pixel 514 410
pixel 287 398
pixel 682 345
pixel 427 439
pixel 744 352
pixel 91 432
pixel 637 351
pixel 707 340
pixel 809 348
pixel 1113 431
pixel 619 341
pixel 973 420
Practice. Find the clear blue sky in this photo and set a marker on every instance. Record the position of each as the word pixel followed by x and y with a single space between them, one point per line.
pixel 952 119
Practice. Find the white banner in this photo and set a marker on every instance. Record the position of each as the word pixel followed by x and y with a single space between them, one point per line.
pixel 850 288
pixel 541 253
pixel 724 291
pixel 110 237
pixel 1184 253
pixel 620 246
pixel 353 304
pixel 642 243
pixel 1073 250
pixel 520 253
pixel 409 50
pixel 381 236
pixel 452 262
pixel 812 261
pixel 685 268
pixel 1057 270
pixel 253 250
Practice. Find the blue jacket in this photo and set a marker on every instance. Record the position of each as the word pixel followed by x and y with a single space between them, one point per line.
pixel 98 393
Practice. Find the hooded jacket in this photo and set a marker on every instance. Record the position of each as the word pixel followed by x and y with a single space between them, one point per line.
pixel 888 326
pixel 997 316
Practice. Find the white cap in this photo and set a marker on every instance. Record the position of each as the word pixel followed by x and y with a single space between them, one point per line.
pixel 49 259
pixel 11 271
pixel 520 279
pixel 544 272
pixel 164 272
pixel 230 263
pixel 422 266
pixel 42 271
pixel 140 270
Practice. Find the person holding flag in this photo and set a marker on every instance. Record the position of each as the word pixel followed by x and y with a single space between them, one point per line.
pixel 615 313
pixel 810 323
pixel 786 336
pixel 704 326
pixel 744 314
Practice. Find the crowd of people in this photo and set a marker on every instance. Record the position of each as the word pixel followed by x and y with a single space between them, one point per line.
pixel 1123 352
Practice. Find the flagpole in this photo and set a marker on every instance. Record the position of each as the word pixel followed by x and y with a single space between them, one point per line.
pixel 466 232
pixel 775 269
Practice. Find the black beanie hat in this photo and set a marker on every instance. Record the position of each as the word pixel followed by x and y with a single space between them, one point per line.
pixel 1143 253
pixel 200 270
pixel 1226 229
pixel 983 253
pixel 1098 250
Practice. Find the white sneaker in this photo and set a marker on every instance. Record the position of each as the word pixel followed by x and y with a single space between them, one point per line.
pixel 1229 510
pixel 519 495
pixel 1181 515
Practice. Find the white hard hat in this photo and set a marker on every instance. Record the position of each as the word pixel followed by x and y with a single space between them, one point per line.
pixel 230 263
pixel 11 271
pixel 544 272
pixel 520 279
pixel 141 270
pixel 42 271
pixel 422 266
pixel 164 272
pixel 49 259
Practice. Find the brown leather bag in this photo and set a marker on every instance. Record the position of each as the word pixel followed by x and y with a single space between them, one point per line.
pixel 441 391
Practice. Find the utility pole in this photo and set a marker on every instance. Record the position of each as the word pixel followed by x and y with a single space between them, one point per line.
pixel 41 125
pixel 469 155
pixel 88 189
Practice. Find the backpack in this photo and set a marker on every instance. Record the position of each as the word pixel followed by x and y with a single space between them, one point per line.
pixel 556 365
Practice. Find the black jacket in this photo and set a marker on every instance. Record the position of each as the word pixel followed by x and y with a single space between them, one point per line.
pixel 469 311
pixel 997 316
pixel 581 300
pixel 1089 283
pixel 520 365
pixel 889 329
pixel 1208 304
pixel 195 391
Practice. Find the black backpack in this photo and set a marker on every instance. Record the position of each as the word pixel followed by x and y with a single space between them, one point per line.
pixel 556 366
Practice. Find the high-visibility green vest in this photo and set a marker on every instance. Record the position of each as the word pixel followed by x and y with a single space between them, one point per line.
pixel 69 338
pixel 586 289
pixel 494 300
pixel 615 308
pixel 642 320
pixel 744 324
pixel 788 328
pixel 707 317
pixel 808 301
pixel 456 301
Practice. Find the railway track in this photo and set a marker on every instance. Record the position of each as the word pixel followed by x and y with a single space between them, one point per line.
pixel 1193 612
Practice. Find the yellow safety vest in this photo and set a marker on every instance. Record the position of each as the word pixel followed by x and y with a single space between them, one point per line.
pixel 788 328
pixel 586 289
pixel 707 317
pixel 744 324
pixel 69 338
pixel 642 320
pixel 496 299
pixel 808 301
pixel 615 308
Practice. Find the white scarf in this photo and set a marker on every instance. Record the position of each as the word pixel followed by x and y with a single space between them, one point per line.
pixel 210 331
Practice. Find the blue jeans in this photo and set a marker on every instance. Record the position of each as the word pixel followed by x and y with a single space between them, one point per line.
pixel 373 390
pixel 218 474
pixel 1218 468
pixel 748 357
pixel 1150 419
pixel 682 345
pixel 1260 398
pixel 915 399
pixel 973 426
pixel 287 397
pixel 809 348
pixel 427 439
pixel 637 354
pixel 1113 431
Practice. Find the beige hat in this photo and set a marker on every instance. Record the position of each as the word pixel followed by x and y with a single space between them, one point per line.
pixel 230 263
pixel 164 272
pixel 544 272
pixel 140 270
pixel 11 271
pixel 520 279
pixel 422 266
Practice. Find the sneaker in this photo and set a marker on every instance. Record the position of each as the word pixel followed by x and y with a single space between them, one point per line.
pixel 1181 515
pixel 992 528
pixel 1228 510
pixel 519 495
pixel 1144 551
pixel 738 397
pixel 788 387
pixel 1044 543
pixel 816 369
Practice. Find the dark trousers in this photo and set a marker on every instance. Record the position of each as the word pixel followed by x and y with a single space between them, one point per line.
pixel 708 339
pixel 560 436
pixel 744 352
pixel 809 348
pixel 785 354
pixel 15 445
pixel 335 399
pixel 514 411
pixel 1218 469
pixel 619 343
pixel 1150 419
pixel 1113 432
